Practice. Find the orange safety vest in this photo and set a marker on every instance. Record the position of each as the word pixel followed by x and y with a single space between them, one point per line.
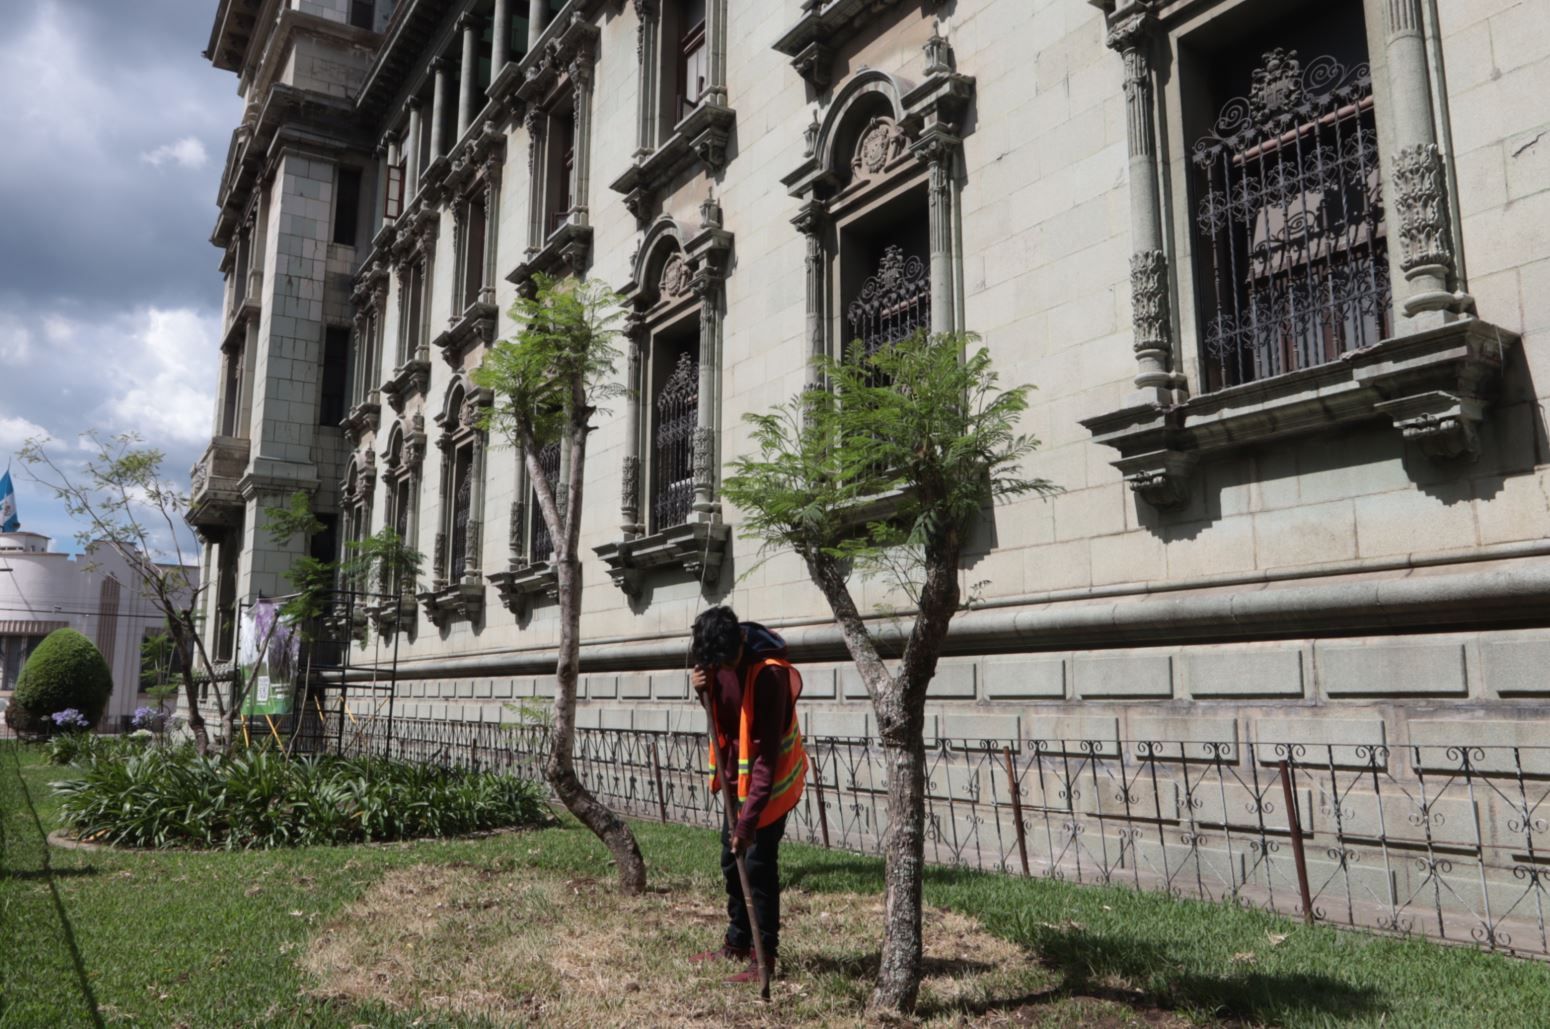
pixel 790 772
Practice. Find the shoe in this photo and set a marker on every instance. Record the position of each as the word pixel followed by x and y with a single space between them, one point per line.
pixel 726 951
pixel 751 973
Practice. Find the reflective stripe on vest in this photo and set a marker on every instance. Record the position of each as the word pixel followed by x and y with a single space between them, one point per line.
pixel 790 774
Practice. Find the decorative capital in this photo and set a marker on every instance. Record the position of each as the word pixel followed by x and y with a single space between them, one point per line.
pixel 1132 31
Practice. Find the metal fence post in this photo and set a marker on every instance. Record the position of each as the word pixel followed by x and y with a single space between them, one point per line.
pixel 823 814
pixel 1017 807
pixel 656 769
pixel 1294 829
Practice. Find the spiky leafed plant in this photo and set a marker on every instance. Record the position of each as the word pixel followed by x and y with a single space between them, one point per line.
pixel 882 469
pixel 547 383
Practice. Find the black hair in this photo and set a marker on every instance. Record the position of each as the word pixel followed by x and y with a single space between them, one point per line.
pixel 717 636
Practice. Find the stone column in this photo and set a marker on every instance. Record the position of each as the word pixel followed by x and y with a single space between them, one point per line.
pixel 534 122
pixel 473 547
pixel 500 37
pixel 537 18
pixel 443 72
pixel 380 193
pixel 492 196
pixel 940 156
pixel 629 486
pixel 648 27
pixel 412 164
pixel 708 288
pixel 1420 183
pixel 471 25
pixel 716 40
pixel 581 83
pixel 1131 37
pixel 811 221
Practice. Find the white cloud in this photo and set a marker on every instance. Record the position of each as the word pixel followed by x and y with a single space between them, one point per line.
pixel 15 431
pixel 187 152
pixel 168 378
pixel 15 341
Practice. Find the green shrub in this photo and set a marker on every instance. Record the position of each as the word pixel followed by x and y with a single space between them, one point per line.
pixel 260 798
pixel 66 671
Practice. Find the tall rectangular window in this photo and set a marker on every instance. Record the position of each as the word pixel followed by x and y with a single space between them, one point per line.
pixel 336 360
pixel 562 167
pixel 693 57
pixel 231 390
pixel 393 198
pixel 363 14
pixel 347 203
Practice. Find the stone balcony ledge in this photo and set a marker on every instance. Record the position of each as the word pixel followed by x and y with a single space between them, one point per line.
pixel 521 584
pixel 1435 386
pixel 215 493
pixel 695 547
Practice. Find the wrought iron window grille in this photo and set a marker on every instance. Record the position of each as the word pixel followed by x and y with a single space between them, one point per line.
pixel 1289 222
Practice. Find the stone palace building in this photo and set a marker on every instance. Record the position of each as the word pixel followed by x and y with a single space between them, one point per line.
pixel 1280 270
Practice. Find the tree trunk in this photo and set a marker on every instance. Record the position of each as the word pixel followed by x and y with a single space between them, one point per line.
pixel 560 769
pixel 898 976
pixel 196 720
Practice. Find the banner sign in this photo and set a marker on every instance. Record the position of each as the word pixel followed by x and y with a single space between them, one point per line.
pixel 268 657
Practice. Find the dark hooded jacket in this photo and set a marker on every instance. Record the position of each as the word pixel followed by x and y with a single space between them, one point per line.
pixel 772 708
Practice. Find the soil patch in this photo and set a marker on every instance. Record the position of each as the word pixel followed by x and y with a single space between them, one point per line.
pixel 518 947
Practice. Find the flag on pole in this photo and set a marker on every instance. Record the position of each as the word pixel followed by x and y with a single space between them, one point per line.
pixel 8 520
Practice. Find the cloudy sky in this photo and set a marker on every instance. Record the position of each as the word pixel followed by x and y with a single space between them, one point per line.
pixel 114 131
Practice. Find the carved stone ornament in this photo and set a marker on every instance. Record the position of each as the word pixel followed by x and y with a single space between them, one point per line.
pixel 1277 86
pixel 514 526
pixel 879 144
pixel 704 454
pixel 675 277
pixel 629 487
pixel 439 552
pixel 1149 299
pixel 469 414
pixel 1423 211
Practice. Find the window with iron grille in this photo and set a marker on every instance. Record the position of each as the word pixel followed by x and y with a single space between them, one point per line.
pixel 885 274
pixel 541 543
pixel 462 504
pixel 1291 246
pixel 674 415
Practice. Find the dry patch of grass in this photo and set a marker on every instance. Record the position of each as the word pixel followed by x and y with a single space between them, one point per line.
pixel 516 947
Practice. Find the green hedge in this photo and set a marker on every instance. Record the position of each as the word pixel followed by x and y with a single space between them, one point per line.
pixel 173 797
pixel 66 671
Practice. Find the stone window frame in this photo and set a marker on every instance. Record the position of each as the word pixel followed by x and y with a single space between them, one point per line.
pixel 559 75
pixel 369 299
pixel 475 176
pixel 413 249
pixel 697 139
pixel 676 274
pixel 924 124
pixel 357 501
pixel 403 462
pixel 814 40
pixel 526 576
pixel 459 593
pixel 1434 379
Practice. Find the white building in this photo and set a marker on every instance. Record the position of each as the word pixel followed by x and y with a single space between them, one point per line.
pixel 95 593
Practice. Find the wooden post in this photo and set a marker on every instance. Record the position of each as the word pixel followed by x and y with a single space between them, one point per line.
pixel 1017 808
pixel 1294 829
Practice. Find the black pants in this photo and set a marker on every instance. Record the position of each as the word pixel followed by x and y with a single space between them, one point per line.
pixel 763 860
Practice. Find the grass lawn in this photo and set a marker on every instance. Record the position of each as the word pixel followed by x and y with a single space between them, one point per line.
pixel 525 927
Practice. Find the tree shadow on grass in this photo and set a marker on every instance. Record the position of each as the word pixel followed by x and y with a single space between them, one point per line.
pixel 1090 965
pixel 45 874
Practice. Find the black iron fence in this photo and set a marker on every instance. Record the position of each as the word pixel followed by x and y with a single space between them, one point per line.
pixel 1449 841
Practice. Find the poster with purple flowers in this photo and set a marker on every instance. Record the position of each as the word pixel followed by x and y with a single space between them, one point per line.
pixel 268 657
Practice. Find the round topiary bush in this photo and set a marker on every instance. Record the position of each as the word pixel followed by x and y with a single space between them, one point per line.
pixel 67 670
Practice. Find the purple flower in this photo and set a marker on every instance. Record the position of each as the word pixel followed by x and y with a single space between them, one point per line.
pixel 70 718
pixel 145 718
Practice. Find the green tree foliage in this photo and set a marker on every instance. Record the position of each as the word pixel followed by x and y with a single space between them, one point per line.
pixel 66 671
pixel 882 468
pixel 546 385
